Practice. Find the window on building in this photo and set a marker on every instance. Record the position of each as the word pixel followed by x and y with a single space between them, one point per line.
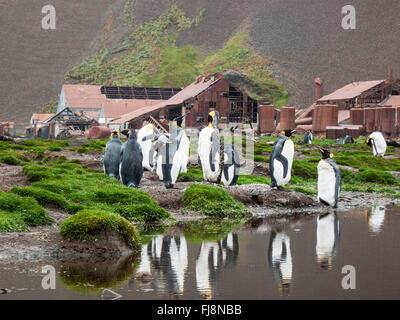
pixel 212 104
pixel 200 119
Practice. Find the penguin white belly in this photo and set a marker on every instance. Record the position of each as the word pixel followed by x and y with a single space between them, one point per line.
pixel 146 147
pixel 231 173
pixel 184 151
pixel 159 166
pixel 287 152
pixel 325 236
pixel 326 183
pixel 378 144
pixel 204 150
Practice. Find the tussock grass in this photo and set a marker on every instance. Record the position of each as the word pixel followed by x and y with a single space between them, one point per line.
pixel 213 201
pixel 18 213
pixel 85 224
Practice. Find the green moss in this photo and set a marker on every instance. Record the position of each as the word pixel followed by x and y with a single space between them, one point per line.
pixel 71 187
pixel 10 160
pixel 248 179
pixel 85 224
pixel 376 176
pixel 195 175
pixel 18 213
pixel 210 229
pixel 213 201
pixel 306 191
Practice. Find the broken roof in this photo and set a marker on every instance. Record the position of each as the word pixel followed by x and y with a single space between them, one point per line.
pixel 393 101
pixel 351 90
pixel 187 93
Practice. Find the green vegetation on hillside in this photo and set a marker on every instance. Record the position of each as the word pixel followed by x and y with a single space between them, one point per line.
pixel 150 57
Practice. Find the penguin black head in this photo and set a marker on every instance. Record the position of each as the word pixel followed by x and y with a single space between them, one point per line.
pixel 368 141
pixel 132 134
pixel 326 154
pixel 288 133
pixel 125 133
pixel 115 135
pixel 213 118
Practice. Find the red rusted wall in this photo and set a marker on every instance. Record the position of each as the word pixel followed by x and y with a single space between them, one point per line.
pixel 357 116
pixel 334 132
pixel 323 116
pixel 387 119
pixel 266 118
pixel 287 118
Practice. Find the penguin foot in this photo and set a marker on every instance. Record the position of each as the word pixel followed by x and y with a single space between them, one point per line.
pixel 280 188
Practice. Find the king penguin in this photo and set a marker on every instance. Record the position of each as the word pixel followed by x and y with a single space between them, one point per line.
pixel 308 137
pixel 281 160
pixel 209 151
pixel 145 136
pixel 378 143
pixel 329 180
pixel 131 168
pixel 112 155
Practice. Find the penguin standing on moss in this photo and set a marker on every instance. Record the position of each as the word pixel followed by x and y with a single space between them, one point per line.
pixel 308 137
pixel 131 168
pixel 145 137
pixel 112 155
pixel 219 161
pixel 329 180
pixel 281 160
pixel 378 143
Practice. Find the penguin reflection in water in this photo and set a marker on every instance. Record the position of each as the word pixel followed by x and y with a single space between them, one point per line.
pixel 112 155
pixel 328 234
pixel 378 143
pixel 281 160
pixel 329 180
pixel 280 260
pixel 219 161
pixel 131 168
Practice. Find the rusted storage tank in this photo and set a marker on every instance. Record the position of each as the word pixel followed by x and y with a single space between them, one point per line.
pixel 369 120
pixel 287 118
pixel 398 119
pixel 334 132
pixel 357 116
pixel 324 116
pixel 388 120
pixel 266 118
pixel 97 132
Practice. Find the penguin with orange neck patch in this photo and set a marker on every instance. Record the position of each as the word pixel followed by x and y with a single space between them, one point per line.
pixel 329 180
pixel 281 160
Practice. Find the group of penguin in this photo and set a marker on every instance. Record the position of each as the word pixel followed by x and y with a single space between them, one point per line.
pixel 168 155
pixel 329 179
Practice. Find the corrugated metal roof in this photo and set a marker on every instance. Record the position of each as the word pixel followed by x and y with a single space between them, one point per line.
pixel 190 91
pixel 393 101
pixel 351 90
pixel 42 117
pixel 118 108
pixel 80 96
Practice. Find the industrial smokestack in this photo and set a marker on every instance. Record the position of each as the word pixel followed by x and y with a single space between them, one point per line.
pixel 318 89
pixel 390 76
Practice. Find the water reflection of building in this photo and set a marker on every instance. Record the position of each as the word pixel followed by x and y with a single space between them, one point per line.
pixel 376 218
pixel 328 235
pixel 214 256
pixel 280 260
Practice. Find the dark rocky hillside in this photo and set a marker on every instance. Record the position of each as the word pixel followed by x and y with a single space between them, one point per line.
pixel 304 39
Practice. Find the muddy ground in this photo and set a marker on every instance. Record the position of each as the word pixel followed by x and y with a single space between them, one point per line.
pixel 46 242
